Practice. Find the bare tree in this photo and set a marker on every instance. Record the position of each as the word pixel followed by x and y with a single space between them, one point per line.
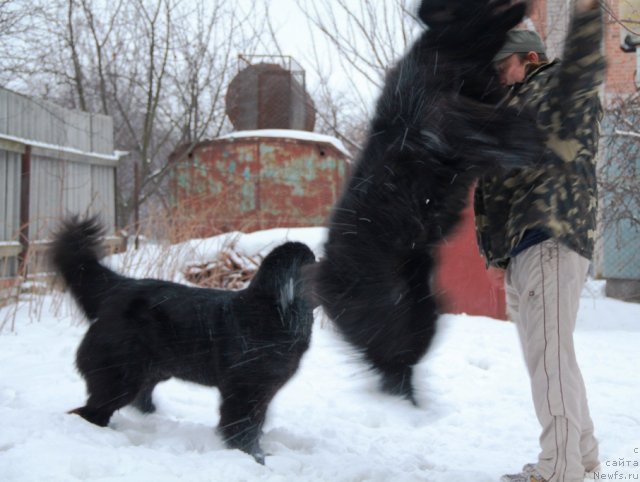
pixel 619 173
pixel 354 46
pixel 619 168
pixel 14 16
pixel 101 36
pixel 11 15
pixel 159 67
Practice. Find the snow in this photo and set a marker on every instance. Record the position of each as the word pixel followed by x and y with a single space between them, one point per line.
pixel 59 148
pixel 329 423
pixel 290 134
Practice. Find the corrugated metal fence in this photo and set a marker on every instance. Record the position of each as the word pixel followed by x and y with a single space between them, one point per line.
pixel 53 162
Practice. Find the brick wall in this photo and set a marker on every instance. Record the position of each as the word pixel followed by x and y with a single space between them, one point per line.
pixel 621 66
pixel 550 19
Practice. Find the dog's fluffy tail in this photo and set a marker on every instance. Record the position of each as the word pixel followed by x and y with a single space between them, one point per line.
pixel 75 253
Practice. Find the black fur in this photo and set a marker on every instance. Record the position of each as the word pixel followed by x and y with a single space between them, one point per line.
pixel 248 343
pixel 440 122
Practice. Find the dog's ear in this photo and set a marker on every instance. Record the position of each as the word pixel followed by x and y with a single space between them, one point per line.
pixel 434 12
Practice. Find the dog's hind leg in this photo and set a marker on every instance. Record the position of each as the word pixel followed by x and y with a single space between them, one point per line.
pixel 397 380
pixel 391 320
pixel 99 412
pixel 407 342
pixel 113 375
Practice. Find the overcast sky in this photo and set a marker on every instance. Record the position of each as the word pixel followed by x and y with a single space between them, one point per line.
pixel 300 39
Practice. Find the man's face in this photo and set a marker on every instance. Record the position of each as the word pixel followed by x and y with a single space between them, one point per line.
pixel 511 70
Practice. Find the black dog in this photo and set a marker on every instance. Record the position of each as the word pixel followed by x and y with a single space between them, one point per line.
pixel 248 343
pixel 440 123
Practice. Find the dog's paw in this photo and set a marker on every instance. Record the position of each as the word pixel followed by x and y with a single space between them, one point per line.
pixel 259 456
pixel 255 450
pixel 97 417
pixel 144 406
pixel 399 384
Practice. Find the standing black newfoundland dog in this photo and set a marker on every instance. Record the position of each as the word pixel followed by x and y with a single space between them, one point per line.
pixel 248 343
pixel 440 123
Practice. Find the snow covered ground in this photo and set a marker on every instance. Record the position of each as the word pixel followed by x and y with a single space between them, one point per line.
pixel 475 420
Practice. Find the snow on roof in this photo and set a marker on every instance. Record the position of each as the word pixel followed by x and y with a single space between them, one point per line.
pixel 289 134
pixel 63 149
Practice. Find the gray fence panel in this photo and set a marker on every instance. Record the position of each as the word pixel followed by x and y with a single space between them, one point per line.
pixel 103 202
pixel 101 134
pixel 4 116
pixel 44 122
pixel 9 196
pixel 66 176
pixel 4 196
pixel 78 130
pixel 46 201
pixel 61 188
pixel 77 189
pixel 14 120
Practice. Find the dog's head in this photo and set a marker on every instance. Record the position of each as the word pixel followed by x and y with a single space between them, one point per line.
pixel 472 25
pixel 281 285
pixel 281 275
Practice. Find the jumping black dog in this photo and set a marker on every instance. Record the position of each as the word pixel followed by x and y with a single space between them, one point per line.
pixel 248 343
pixel 440 122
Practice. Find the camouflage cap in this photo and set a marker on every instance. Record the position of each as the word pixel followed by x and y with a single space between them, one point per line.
pixel 520 41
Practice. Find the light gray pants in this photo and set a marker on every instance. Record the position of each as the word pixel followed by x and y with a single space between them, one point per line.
pixel 543 286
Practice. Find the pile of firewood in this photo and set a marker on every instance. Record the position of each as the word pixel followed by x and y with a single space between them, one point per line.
pixel 230 270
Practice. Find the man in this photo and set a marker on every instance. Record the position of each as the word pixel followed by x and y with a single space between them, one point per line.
pixel 539 224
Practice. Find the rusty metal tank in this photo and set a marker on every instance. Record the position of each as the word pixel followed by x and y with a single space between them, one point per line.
pixel 260 179
pixel 273 171
pixel 269 93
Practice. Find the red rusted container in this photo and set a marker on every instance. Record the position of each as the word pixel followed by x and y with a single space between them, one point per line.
pixel 261 179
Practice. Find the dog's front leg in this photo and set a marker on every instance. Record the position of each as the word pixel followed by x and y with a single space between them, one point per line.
pixel 144 399
pixel 487 135
pixel 242 415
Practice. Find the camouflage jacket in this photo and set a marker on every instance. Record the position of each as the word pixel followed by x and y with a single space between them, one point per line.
pixel 558 195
